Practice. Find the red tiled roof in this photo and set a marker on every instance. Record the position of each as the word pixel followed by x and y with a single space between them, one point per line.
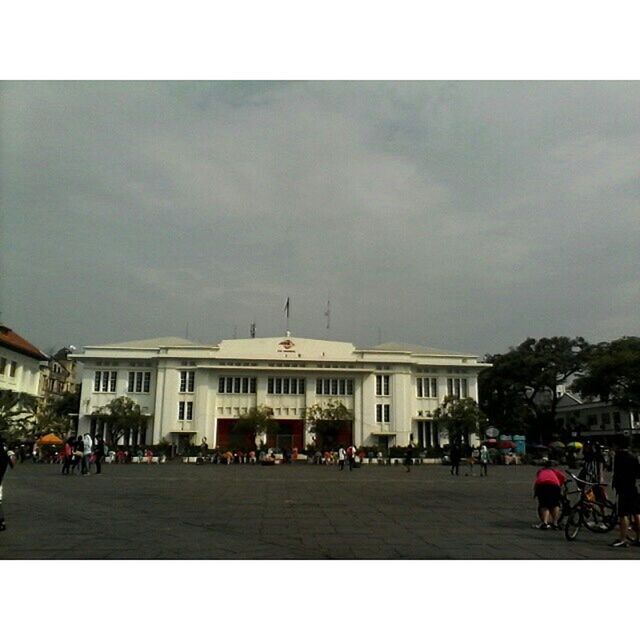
pixel 11 340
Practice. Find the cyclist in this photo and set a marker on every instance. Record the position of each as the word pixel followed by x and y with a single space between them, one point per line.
pixel 547 488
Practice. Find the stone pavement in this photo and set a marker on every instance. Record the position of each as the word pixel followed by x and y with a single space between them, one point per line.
pixel 179 511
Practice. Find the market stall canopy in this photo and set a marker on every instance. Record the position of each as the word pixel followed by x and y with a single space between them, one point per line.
pixel 506 444
pixel 50 438
pixel 575 445
pixel 557 445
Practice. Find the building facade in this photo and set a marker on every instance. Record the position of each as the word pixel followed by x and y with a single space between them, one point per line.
pixel 58 376
pixel 595 419
pixel 190 391
pixel 20 363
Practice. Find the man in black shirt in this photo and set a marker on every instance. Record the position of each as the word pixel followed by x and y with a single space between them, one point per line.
pixel 626 470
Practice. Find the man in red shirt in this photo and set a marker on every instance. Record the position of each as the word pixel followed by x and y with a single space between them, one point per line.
pixel 547 488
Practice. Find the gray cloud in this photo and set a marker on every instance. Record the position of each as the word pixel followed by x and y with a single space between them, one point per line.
pixel 463 215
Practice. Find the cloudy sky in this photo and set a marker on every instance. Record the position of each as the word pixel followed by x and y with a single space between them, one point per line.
pixel 458 215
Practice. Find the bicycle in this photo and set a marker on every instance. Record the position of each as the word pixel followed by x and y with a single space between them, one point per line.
pixel 597 514
pixel 565 502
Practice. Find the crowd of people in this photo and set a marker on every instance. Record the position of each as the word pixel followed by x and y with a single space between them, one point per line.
pixel 550 481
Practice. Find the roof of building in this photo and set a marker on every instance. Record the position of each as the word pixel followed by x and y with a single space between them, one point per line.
pixel 11 340
pixel 412 348
pixel 151 343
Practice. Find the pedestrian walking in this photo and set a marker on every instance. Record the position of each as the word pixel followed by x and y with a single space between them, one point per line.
pixel 342 454
pixel 67 459
pixel 408 457
pixel 484 460
pixel 78 454
pixel 626 470
pixel 7 460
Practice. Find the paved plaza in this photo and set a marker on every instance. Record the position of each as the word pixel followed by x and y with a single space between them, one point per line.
pixel 179 511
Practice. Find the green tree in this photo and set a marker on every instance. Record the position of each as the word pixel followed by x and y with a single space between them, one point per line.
pixel 612 373
pixel 122 416
pixel 459 418
pixel 522 385
pixel 49 420
pixel 257 423
pixel 17 414
pixel 327 421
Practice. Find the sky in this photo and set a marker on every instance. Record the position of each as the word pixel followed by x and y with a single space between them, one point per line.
pixel 460 215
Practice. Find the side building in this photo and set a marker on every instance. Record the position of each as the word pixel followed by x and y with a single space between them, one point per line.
pixel 20 363
pixel 189 391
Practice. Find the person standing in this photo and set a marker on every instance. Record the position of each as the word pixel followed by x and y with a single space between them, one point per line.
pixel 98 453
pixel 626 470
pixel 78 454
pixel 342 454
pixel 455 459
pixel 351 454
pixel 7 459
pixel 86 458
pixel 484 460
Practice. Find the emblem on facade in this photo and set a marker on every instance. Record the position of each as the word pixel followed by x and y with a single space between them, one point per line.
pixel 287 345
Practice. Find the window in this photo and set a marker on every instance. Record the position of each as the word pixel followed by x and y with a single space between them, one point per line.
pixel 105 381
pixel 139 381
pixel 605 418
pixel 185 410
pixel 236 385
pixel 458 387
pixel 427 387
pixel 12 369
pixel 383 413
pixel 3 365
pixel 592 420
pixel 286 386
pixel 334 386
pixel 382 385
pixel 187 381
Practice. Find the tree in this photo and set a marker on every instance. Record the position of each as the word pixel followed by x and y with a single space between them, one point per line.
pixel 122 415
pixel 255 425
pixel 459 418
pixel 524 382
pixel 612 373
pixel 17 411
pixel 49 420
pixel 327 421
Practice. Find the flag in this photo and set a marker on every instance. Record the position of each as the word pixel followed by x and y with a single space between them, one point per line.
pixel 252 331
pixel 286 307
pixel 327 313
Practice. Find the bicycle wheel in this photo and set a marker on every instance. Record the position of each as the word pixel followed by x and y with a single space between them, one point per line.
pixel 601 517
pixel 574 522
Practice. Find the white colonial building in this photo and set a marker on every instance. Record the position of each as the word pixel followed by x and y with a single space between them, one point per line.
pixel 189 391
pixel 20 363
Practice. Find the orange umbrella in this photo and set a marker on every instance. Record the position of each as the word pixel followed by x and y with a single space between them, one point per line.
pixel 50 438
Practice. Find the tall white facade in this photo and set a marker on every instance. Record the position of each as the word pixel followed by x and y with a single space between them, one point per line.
pixel 190 391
